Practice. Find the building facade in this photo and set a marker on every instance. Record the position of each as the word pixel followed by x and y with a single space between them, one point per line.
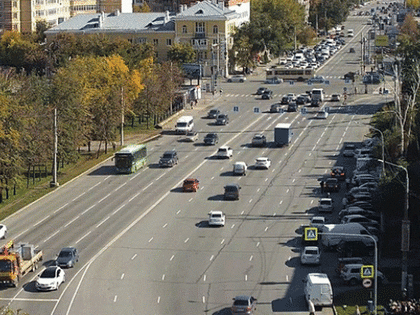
pixel 22 15
pixel 207 26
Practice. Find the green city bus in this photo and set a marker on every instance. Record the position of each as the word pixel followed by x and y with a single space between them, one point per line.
pixel 131 158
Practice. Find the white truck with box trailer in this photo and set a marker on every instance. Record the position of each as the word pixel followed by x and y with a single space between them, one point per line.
pixel 282 134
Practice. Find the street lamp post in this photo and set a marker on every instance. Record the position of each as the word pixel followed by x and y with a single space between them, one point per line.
pixel 383 149
pixel 405 230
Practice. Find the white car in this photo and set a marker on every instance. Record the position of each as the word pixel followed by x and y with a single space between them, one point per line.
pixel 322 114
pixel 3 231
pixel 263 162
pixel 318 222
pixel 224 152
pixel 237 78
pixel 50 279
pixel 310 255
pixel 191 136
pixel 325 205
pixel 216 218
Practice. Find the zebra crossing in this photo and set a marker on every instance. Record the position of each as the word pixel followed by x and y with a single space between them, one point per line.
pixel 253 95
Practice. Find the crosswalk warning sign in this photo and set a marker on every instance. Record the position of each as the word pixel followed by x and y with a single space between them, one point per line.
pixel 311 234
pixel 367 272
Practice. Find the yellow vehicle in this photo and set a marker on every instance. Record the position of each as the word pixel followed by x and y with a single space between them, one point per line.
pixel 17 262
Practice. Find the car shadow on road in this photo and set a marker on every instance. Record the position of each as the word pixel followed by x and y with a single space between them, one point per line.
pixel 224 311
pixel 154 165
pixel 228 173
pixel 216 197
pixel 177 190
pixel 30 287
pixel 105 170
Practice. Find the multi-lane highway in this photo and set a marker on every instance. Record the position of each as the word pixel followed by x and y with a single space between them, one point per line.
pixel 145 247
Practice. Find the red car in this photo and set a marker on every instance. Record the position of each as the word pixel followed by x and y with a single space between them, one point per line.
pixel 190 184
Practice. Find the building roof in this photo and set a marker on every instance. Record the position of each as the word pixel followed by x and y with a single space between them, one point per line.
pixel 116 22
pixel 206 10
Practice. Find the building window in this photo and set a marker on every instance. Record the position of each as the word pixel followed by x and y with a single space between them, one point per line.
pixel 199 28
pixel 202 55
pixel 155 42
pixel 15 15
pixel 184 29
pixel 15 4
pixel 169 42
pixel 15 27
pixel 214 41
pixel 140 40
pixel 215 29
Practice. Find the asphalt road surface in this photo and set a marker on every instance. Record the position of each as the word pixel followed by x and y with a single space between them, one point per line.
pixel 145 246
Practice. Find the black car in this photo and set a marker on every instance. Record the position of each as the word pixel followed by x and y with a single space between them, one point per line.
pixel 232 192
pixel 303 99
pixel 222 119
pixel 268 94
pixel 211 138
pixel 285 100
pixel 168 159
pixel 350 76
pixel 356 248
pixel 213 113
pixel 315 102
pixel 332 185
pixel 275 108
pixel 292 107
pixel 67 257
pixel 262 90
pixel 338 172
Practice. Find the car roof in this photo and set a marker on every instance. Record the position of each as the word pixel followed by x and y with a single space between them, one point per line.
pixel 215 212
pixel 243 297
pixel 224 147
pixel 311 247
pixel 262 158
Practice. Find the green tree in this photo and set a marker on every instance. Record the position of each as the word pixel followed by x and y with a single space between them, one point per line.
pixel 182 53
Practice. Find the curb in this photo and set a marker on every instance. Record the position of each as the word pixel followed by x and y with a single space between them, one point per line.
pixel 71 180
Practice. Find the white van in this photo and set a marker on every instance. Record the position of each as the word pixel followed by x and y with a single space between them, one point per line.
pixel 332 234
pixel 184 124
pixel 240 168
pixel 318 94
pixel 318 289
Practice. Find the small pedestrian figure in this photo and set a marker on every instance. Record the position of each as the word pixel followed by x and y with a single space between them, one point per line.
pixel 221 91
pixel 192 104
pixel 322 186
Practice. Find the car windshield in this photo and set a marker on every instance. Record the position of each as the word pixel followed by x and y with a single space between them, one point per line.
pixel 222 150
pixel 211 135
pixel 214 111
pixel 188 182
pixel 241 302
pixel 216 215
pixel 64 253
pixel 181 124
pixel 167 155
pixel 311 252
pixel 48 273
pixel 325 202
pixel 231 188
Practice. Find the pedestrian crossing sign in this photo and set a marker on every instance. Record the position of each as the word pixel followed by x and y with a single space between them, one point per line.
pixel 367 271
pixel 256 110
pixel 311 234
pixel 236 108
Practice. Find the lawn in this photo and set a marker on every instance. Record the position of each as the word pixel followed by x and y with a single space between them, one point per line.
pixel 346 303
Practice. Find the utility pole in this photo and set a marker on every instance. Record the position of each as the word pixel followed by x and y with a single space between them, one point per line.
pixel 54 182
pixel 122 117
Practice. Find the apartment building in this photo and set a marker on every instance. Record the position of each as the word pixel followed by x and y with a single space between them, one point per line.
pixel 207 26
pixel 22 15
